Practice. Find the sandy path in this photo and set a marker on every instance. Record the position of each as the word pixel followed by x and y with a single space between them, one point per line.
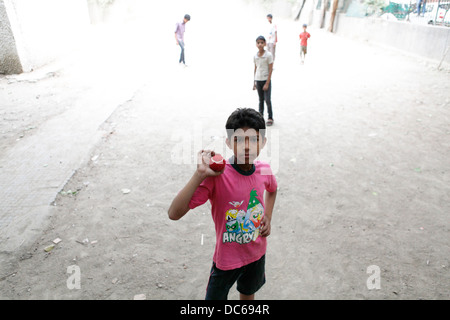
pixel 360 149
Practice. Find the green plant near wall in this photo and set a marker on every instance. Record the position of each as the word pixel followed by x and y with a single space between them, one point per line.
pixel 103 3
pixel 375 6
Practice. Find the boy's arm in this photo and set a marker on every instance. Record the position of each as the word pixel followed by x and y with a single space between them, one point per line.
pixel 266 85
pixel 254 82
pixel 176 29
pixel 269 201
pixel 180 205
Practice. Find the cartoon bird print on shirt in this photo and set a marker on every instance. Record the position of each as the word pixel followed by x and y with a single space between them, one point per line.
pixel 233 225
pixel 236 204
pixel 255 211
pixel 245 221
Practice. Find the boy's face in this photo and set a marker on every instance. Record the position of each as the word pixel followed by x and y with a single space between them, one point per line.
pixel 260 44
pixel 246 144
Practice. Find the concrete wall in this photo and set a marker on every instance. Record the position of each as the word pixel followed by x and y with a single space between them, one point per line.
pixel 37 32
pixel 426 41
pixel 9 58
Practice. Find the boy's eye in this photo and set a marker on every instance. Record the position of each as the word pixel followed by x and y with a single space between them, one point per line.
pixel 239 139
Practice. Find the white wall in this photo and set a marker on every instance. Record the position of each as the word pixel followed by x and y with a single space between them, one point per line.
pixel 422 40
pixel 44 30
pixel 9 59
pixel 426 41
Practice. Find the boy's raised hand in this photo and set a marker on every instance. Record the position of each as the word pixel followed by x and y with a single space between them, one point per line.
pixel 203 168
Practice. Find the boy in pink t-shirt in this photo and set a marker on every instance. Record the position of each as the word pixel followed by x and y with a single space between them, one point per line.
pixel 241 212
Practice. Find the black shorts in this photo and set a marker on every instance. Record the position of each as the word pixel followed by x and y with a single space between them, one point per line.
pixel 250 278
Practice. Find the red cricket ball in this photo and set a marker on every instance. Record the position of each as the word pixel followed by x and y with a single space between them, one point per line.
pixel 217 163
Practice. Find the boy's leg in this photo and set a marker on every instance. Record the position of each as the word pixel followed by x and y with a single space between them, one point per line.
pixel 181 43
pixel 252 279
pixel 259 88
pixel 271 49
pixel 268 99
pixel 220 283
pixel 246 297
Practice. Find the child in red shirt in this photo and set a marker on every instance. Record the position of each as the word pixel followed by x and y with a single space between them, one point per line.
pixel 304 36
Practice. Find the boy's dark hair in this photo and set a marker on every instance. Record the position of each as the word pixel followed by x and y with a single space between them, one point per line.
pixel 187 17
pixel 261 38
pixel 245 118
pixel 269 16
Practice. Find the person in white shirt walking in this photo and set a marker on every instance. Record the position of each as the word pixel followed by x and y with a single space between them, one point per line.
pixel 179 36
pixel 272 37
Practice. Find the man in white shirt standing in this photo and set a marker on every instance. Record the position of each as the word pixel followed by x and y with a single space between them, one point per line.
pixel 272 36
pixel 263 77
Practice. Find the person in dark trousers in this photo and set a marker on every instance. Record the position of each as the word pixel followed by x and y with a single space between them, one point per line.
pixel 262 77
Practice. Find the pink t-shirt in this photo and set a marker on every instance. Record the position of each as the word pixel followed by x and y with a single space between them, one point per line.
pixel 237 207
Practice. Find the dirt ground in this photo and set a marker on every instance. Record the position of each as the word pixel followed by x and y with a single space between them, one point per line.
pixel 360 149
